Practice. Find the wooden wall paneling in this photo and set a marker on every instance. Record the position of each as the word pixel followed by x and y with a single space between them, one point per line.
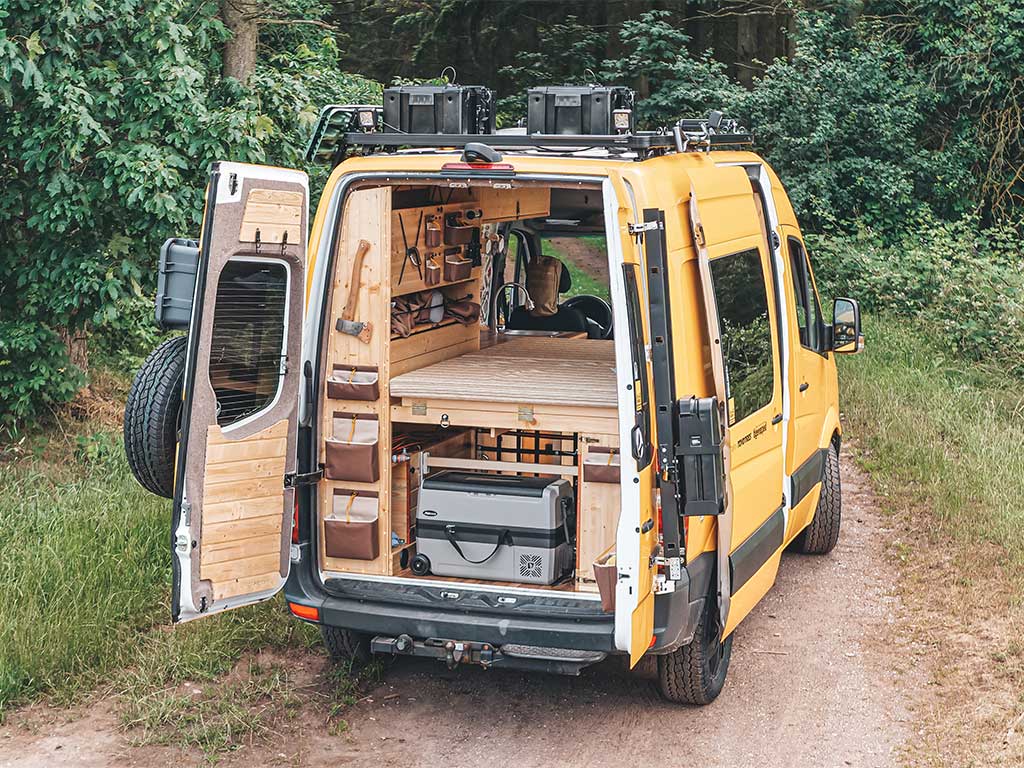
pixel 243 510
pixel 367 216
pixel 598 513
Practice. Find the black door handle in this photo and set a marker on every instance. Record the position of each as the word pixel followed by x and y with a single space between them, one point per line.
pixel 777 419
pixel 804 386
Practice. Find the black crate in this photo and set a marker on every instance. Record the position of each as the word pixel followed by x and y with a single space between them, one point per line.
pixel 570 110
pixel 447 109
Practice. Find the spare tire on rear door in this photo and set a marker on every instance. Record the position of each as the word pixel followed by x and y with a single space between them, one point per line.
pixel 152 417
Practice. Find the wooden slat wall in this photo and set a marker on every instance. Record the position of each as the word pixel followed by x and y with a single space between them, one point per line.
pixel 367 217
pixel 243 511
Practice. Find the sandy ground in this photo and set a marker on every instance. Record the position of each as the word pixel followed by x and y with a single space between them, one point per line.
pixel 816 680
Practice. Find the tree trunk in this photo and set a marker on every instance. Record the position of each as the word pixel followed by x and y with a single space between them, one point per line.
pixel 240 17
pixel 76 342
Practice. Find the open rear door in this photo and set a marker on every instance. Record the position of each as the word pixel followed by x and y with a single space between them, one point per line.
pixel 232 512
pixel 744 360
pixel 637 535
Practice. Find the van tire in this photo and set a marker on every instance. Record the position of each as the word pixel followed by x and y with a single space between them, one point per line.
pixel 345 645
pixel 695 673
pixel 152 417
pixel 820 537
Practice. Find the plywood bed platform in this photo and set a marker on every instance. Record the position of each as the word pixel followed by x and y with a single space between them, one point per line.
pixel 525 370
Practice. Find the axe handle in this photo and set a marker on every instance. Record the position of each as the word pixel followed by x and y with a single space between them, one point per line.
pixel 349 312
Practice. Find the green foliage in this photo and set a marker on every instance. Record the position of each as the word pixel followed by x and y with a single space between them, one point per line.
pixel 33 371
pixel 943 436
pixel 672 82
pixel 841 124
pixel 566 50
pixel 963 282
pixel 85 575
pixel 112 115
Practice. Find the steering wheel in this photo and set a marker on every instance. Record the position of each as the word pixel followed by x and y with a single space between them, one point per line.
pixel 594 308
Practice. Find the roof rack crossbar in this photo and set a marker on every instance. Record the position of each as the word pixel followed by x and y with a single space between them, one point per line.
pixel 343 128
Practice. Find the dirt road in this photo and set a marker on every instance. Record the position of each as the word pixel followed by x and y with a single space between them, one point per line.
pixel 811 684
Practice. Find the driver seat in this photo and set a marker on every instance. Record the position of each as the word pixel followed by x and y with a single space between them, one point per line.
pixel 539 284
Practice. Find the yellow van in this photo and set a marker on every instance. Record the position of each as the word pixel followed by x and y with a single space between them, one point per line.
pixel 518 399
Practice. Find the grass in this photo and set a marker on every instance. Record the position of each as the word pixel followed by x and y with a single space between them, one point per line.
pixel 85 580
pixel 942 431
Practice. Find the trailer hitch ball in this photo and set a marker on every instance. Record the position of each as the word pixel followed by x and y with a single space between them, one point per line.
pixel 403 644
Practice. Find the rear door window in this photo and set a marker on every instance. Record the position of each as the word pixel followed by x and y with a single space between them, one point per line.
pixel 742 303
pixel 808 310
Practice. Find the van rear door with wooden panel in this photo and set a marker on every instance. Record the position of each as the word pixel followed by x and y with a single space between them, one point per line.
pixel 232 513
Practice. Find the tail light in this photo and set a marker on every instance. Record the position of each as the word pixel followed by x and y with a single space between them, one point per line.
pixel 295 520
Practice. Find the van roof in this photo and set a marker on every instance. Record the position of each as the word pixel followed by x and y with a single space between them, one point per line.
pixel 535 162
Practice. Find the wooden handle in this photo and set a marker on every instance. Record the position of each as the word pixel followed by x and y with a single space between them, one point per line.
pixel 349 312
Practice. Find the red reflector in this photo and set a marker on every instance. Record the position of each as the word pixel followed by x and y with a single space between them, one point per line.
pixel 477 167
pixel 295 521
pixel 654 639
pixel 309 612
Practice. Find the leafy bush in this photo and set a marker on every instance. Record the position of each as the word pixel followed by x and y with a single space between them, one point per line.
pixel 673 82
pixel 959 279
pixel 113 113
pixel 841 123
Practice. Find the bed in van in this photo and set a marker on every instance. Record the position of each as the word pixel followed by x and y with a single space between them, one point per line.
pixel 513 399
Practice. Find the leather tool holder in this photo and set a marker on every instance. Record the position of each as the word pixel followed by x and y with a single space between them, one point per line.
pixel 351 452
pixel 456 266
pixel 352 529
pixel 354 382
pixel 601 465
pixel 432 270
pixel 434 234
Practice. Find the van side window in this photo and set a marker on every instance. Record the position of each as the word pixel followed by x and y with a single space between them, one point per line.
pixel 808 310
pixel 247 344
pixel 742 302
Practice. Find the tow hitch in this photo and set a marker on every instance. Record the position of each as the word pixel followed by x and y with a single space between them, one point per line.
pixel 452 652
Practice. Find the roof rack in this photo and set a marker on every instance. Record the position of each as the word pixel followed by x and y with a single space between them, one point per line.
pixel 343 130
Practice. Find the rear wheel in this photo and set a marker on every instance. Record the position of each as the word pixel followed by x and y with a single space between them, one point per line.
pixel 821 535
pixel 695 673
pixel 152 417
pixel 345 645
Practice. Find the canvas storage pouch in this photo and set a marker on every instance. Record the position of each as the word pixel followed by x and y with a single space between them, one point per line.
pixel 460 234
pixel 432 275
pixel 601 465
pixel 435 227
pixel 354 382
pixel 457 267
pixel 350 531
pixel 352 449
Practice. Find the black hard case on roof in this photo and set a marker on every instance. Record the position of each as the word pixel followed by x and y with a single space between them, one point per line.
pixel 447 109
pixel 572 110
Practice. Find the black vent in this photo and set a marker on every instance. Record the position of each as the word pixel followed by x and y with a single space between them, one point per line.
pixel 246 350
pixel 530 566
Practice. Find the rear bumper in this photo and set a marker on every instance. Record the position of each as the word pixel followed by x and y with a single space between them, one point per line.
pixel 467 613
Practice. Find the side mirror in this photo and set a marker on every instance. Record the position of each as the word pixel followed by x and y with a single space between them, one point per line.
pixel 846 335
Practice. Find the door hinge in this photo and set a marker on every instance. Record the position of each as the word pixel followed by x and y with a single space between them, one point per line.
pixel 637 230
pixel 296 479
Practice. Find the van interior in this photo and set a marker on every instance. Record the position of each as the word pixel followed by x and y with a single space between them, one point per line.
pixel 468 416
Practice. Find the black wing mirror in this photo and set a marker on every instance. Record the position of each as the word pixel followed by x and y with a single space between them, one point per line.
pixel 846 335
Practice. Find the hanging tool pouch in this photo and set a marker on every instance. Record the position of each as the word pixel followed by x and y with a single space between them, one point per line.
pixel 699 454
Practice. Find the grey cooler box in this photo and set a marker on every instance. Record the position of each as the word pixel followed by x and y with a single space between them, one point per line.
pixel 489 526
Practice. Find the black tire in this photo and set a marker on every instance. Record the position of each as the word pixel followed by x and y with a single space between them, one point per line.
pixel 695 673
pixel 344 645
pixel 152 417
pixel 821 535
